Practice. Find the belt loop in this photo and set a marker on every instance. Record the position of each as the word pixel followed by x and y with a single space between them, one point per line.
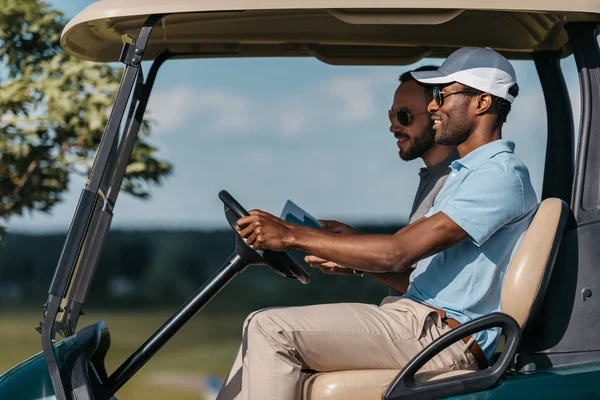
pixel 474 348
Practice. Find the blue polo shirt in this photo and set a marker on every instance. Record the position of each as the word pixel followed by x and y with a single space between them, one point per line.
pixel 488 193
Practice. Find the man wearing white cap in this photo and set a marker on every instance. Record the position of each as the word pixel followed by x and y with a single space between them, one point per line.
pixel 463 246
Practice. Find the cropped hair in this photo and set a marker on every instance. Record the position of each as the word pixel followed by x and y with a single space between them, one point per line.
pixel 407 77
pixel 502 106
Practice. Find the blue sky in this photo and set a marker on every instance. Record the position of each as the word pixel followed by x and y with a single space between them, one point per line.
pixel 272 129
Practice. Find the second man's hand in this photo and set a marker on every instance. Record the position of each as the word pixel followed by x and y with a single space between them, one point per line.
pixel 328 267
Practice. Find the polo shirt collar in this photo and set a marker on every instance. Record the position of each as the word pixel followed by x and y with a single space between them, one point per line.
pixel 484 153
pixel 440 168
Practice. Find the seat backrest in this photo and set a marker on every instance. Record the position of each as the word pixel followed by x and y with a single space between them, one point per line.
pixel 528 274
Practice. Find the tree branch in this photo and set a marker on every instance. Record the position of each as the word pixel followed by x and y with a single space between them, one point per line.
pixel 32 166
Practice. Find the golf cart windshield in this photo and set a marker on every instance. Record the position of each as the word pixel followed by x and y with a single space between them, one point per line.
pixel 333 31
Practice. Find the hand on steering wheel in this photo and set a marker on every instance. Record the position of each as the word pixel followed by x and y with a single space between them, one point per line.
pixel 279 261
pixel 263 231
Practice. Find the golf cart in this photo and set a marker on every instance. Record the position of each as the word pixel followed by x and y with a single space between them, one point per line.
pixel 549 312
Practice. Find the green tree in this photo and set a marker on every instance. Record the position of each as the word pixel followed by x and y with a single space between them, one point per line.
pixel 53 109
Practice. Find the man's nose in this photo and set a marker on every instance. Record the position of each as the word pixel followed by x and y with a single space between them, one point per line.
pixel 395 127
pixel 432 106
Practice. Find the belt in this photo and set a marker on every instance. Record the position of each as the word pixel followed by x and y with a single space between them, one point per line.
pixel 474 348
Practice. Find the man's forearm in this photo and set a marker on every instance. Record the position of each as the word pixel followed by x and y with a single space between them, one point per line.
pixel 369 253
pixel 396 280
pixel 379 253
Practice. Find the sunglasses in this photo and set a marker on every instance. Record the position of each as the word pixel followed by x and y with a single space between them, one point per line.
pixel 439 97
pixel 403 117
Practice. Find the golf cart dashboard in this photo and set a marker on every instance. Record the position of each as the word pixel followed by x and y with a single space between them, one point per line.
pixel 81 361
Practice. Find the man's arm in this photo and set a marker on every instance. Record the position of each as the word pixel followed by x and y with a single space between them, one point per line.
pixel 396 280
pixel 369 253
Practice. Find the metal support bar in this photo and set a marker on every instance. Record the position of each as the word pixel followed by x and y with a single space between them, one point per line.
pixel 84 271
pixel 234 265
pixel 559 165
pixel 136 123
pixel 586 190
pixel 93 248
pixel 83 213
pixel 125 89
pixel 63 326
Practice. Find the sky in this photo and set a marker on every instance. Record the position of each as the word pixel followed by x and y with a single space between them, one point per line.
pixel 268 130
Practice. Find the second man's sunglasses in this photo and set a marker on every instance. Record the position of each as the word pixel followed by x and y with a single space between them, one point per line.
pixel 401 115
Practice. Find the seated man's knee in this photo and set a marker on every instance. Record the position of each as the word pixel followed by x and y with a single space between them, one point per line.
pixel 250 317
pixel 263 322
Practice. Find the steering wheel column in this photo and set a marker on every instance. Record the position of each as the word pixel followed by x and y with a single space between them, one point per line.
pixel 243 257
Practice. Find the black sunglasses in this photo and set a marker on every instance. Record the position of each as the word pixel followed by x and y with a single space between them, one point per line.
pixel 438 96
pixel 402 116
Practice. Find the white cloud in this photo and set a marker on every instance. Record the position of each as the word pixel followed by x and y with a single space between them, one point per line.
pixel 355 99
pixel 171 109
pixel 294 114
pixel 175 108
pixel 230 111
pixel 342 101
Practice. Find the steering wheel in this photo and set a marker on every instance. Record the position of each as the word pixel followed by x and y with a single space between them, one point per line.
pixel 279 261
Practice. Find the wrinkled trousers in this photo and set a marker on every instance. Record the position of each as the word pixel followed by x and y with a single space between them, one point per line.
pixel 279 343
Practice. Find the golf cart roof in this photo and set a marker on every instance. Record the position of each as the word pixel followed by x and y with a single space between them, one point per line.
pixel 334 31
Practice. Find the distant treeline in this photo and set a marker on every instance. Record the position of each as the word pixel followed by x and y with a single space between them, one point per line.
pixel 160 269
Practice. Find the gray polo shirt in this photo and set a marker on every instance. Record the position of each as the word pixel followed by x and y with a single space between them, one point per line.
pixel 431 180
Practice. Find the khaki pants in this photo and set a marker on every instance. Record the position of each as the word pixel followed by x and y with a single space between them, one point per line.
pixel 278 343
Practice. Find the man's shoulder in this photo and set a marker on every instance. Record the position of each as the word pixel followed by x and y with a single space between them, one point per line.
pixel 508 176
pixel 506 165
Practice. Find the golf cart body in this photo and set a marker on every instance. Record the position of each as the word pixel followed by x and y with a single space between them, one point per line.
pixel 559 353
pixel 80 358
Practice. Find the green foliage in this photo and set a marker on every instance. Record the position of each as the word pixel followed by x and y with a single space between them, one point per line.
pixel 53 109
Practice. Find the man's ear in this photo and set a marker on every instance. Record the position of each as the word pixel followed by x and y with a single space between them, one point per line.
pixel 484 103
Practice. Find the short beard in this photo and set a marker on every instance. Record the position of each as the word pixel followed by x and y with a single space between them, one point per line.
pixel 456 129
pixel 454 139
pixel 419 145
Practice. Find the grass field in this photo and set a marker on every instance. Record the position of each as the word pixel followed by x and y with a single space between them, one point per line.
pixel 205 346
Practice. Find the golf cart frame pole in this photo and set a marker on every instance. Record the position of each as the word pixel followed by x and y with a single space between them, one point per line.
pixel 132 57
pixel 62 325
pixel 559 165
pixel 93 248
pixel 234 265
pixel 586 190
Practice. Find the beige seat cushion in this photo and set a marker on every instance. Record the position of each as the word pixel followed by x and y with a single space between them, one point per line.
pixel 360 384
pixel 525 275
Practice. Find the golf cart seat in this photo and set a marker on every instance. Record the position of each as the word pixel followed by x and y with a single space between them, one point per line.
pixel 522 294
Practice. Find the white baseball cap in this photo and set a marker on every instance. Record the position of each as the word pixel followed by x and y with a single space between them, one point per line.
pixel 480 68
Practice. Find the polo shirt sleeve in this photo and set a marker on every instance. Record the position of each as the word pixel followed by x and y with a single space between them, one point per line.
pixel 487 199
